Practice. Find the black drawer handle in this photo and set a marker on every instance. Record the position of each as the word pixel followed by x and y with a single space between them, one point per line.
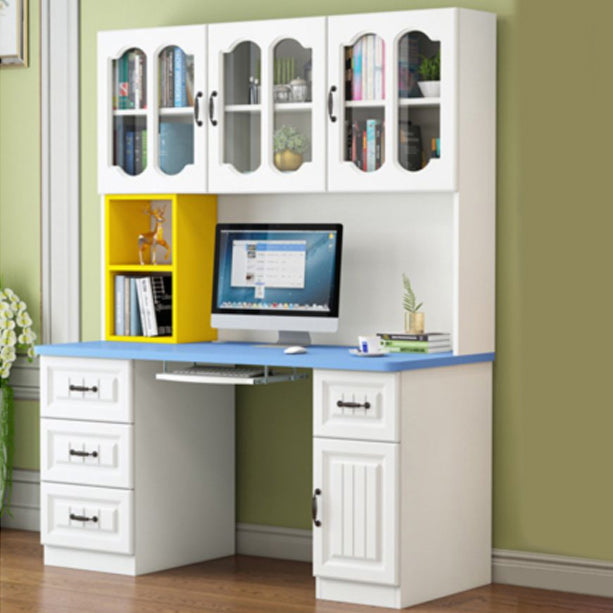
pixel 83 388
pixel 353 405
pixel 83 518
pixel 83 454
pixel 316 522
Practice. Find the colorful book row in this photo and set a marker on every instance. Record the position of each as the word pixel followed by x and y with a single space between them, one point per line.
pixel 176 78
pixel 130 91
pixel 366 143
pixel 130 148
pixel 143 305
pixel 365 69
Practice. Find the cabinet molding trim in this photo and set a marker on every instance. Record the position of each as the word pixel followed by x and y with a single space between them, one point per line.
pixel 25 502
pixel 60 216
pixel 553 572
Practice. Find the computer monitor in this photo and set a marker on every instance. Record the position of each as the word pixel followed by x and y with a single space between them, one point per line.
pixel 283 277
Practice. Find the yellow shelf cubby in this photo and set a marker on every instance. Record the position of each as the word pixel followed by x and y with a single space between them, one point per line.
pixel 189 229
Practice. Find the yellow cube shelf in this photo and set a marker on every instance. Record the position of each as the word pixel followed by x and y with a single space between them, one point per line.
pixel 189 229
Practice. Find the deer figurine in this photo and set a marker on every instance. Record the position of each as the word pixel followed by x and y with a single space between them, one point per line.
pixel 155 237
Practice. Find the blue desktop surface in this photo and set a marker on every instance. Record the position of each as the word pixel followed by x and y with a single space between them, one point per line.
pixel 317 356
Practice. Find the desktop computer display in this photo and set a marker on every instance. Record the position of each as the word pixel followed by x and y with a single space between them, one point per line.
pixel 283 277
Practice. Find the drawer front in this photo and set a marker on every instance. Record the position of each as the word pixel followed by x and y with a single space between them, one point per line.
pixel 89 389
pixel 87 453
pixel 356 405
pixel 96 518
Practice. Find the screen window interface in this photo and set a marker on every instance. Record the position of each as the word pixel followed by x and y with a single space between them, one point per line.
pixel 277 271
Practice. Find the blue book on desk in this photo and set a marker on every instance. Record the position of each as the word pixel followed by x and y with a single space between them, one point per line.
pixel 119 305
pixel 176 146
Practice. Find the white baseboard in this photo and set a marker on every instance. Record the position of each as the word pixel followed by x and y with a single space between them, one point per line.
pixel 552 572
pixel 25 502
pixel 274 542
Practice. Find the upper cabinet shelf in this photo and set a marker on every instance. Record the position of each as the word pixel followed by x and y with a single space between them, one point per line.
pixel 311 104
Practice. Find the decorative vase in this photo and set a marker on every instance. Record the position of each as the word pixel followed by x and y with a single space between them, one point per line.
pixel 288 160
pixel 430 89
pixel 414 323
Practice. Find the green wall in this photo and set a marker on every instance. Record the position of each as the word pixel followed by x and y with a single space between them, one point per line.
pixel 20 209
pixel 552 404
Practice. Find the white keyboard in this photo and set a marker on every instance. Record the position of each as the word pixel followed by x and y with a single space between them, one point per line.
pixel 230 375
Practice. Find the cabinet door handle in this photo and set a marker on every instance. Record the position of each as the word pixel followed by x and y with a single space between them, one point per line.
pixel 83 518
pixel 331 103
pixel 353 405
pixel 212 108
pixel 197 109
pixel 316 522
pixel 82 388
pixel 83 454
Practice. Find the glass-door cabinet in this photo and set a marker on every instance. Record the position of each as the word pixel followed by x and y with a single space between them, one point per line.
pixel 391 100
pixel 265 109
pixel 152 128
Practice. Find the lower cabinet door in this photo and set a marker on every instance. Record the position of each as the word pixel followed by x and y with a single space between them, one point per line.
pixel 355 510
pixel 96 518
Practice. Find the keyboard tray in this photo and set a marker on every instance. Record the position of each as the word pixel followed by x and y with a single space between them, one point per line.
pixel 223 375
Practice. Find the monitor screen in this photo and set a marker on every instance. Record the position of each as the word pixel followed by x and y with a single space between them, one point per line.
pixel 277 276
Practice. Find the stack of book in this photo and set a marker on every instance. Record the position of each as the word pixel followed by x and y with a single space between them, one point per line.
pixel 130 147
pixel 429 342
pixel 365 69
pixel 365 143
pixel 143 305
pixel 130 88
pixel 176 78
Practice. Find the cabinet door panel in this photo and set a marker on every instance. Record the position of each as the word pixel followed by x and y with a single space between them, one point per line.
pixel 357 508
pixel 378 128
pixel 267 87
pixel 148 135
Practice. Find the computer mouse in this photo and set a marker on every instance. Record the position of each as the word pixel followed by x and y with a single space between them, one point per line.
pixel 295 349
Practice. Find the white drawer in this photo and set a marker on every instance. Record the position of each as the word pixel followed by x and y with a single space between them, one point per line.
pixel 82 517
pixel 356 405
pixel 91 389
pixel 87 453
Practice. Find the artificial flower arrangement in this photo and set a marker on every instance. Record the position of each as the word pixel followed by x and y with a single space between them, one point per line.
pixel 16 337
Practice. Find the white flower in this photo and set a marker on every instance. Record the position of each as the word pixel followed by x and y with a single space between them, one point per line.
pixel 30 352
pixel 8 354
pixel 4 371
pixel 5 309
pixel 8 338
pixel 9 293
pixel 23 319
pixel 8 324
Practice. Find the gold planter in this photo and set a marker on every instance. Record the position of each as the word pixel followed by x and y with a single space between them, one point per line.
pixel 288 160
pixel 414 323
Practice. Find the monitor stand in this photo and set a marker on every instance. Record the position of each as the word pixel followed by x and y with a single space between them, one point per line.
pixel 292 337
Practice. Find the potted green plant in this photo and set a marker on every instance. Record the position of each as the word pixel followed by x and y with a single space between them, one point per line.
pixel 414 321
pixel 430 73
pixel 16 337
pixel 289 145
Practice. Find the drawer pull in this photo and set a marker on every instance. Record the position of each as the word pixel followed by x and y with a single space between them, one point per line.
pixel 83 454
pixel 353 405
pixel 316 521
pixel 83 518
pixel 83 388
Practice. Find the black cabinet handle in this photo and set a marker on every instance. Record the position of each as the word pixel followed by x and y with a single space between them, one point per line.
pixel 197 109
pixel 212 108
pixel 83 454
pixel 316 522
pixel 83 518
pixel 331 103
pixel 353 405
pixel 82 388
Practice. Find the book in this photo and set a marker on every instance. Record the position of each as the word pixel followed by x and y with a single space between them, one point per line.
pixel 415 344
pixel 176 146
pixel 126 305
pixel 161 287
pixel 348 73
pixel 138 151
pixel 119 305
pixel 405 336
pixel 129 152
pixel 371 145
pixel 136 328
pixel 145 303
pixel 179 91
pixel 441 349
pixel 357 71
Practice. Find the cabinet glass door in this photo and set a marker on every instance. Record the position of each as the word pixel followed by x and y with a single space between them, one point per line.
pixel 384 134
pixel 266 133
pixel 130 111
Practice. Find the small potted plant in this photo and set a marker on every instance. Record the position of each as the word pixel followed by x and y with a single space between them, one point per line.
pixel 414 322
pixel 430 72
pixel 289 145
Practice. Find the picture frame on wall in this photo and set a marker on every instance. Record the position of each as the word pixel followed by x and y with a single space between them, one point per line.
pixel 13 33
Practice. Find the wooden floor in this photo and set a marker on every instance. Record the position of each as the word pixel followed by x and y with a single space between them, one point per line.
pixel 239 584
